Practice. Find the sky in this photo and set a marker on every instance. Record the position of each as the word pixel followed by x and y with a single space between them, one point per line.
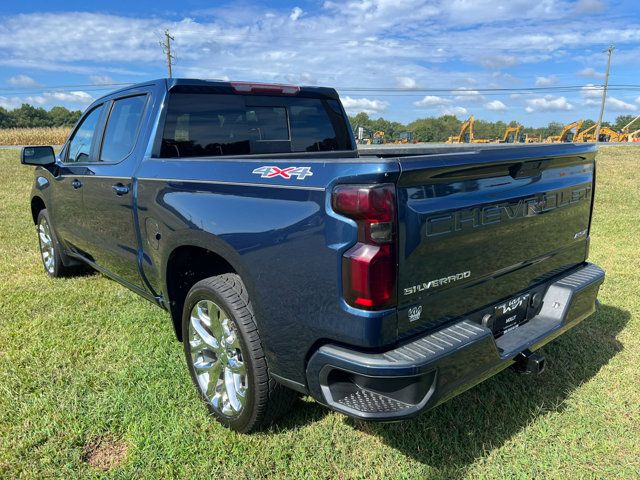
pixel 529 61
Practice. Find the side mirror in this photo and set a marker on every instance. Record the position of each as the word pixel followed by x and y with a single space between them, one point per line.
pixel 39 156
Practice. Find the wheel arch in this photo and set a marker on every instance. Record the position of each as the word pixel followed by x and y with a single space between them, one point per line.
pixel 37 205
pixel 185 266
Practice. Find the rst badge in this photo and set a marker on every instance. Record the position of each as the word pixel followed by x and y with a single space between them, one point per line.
pixel 299 173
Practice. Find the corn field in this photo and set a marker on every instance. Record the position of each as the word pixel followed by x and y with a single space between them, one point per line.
pixel 34 136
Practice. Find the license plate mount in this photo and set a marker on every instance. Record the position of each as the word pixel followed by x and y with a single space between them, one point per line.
pixel 511 314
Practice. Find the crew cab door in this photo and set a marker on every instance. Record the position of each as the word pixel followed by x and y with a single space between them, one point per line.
pixel 108 191
pixel 66 205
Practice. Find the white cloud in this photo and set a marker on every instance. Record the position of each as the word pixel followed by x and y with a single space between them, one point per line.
pixel 467 95
pixel 617 105
pixel 70 97
pixel 22 81
pixel 406 82
pixel 367 105
pixel 73 99
pixel 590 73
pixel 296 13
pixel 457 111
pixel 495 105
pixel 101 79
pixel 591 91
pixel 546 81
pixel 430 101
pixel 548 103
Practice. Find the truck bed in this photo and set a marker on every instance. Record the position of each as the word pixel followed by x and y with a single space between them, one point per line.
pixel 406 150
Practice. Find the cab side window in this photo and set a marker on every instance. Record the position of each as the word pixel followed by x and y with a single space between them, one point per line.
pixel 80 144
pixel 122 128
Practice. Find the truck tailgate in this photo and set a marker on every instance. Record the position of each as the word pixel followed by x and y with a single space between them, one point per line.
pixel 477 228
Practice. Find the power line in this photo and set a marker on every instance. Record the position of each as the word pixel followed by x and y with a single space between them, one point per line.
pixel 353 89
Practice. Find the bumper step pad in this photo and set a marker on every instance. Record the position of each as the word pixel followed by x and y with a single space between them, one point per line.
pixel 367 401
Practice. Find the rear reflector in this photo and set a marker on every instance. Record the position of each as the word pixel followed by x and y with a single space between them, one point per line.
pixel 246 87
pixel 369 267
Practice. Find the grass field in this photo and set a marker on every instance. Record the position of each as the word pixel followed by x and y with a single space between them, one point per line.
pixel 93 384
pixel 34 136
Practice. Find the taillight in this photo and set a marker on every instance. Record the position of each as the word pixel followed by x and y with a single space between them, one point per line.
pixel 369 267
pixel 247 87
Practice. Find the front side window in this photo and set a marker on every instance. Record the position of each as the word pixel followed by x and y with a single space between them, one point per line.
pixel 80 144
pixel 208 124
pixel 122 128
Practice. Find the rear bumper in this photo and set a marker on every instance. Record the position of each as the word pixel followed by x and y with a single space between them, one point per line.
pixel 416 376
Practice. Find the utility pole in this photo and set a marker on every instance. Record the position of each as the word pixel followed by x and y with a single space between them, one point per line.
pixel 166 48
pixel 609 51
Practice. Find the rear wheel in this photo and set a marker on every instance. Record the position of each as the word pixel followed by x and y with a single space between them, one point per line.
pixel 225 357
pixel 50 249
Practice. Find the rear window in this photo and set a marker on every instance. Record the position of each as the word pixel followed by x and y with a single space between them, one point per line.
pixel 206 124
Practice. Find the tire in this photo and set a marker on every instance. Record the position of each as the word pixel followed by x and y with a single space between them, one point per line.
pixel 50 248
pixel 225 356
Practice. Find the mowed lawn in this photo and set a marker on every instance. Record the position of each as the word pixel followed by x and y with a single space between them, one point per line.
pixel 92 382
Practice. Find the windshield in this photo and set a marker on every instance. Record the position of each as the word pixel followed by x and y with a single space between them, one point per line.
pixel 208 124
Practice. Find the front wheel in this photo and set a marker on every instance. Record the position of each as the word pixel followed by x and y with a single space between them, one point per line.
pixel 50 249
pixel 225 357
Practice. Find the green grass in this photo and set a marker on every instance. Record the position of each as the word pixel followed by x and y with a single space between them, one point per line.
pixel 84 358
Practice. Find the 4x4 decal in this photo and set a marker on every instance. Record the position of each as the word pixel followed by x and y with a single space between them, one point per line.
pixel 271 172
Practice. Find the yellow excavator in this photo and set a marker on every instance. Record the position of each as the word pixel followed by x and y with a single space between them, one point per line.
pixel 569 132
pixel 586 135
pixel 610 135
pixel 513 135
pixel 606 134
pixel 466 134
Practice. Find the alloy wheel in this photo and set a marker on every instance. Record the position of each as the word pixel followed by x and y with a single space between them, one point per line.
pixel 216 357
pixel 47 249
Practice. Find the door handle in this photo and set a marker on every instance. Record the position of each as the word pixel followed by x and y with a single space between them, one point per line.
pixel 120 189
pixel 76 184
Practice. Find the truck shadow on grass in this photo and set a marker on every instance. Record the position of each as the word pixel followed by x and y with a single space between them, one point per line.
pixel 467 427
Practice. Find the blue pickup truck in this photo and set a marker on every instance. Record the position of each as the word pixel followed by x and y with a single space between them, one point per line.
pixel 380 282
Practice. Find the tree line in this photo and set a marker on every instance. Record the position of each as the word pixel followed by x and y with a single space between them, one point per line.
pixel 28 116
pixel 439 129
pixel 430 129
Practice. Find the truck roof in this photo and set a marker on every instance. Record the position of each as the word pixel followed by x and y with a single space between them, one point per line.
pixel 220 86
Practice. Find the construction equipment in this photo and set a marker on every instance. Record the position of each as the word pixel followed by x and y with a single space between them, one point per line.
pixel 378 137
pixel 586 135
pixel 625 129
pixel 466 134
pixel 528 138
pixel 610 135
pixel 363 136
pixel 606 135
pixel 569 132
pixel 513 135
pixel 404 137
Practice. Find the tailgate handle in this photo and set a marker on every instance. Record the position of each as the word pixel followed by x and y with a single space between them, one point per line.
pixel 527 169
